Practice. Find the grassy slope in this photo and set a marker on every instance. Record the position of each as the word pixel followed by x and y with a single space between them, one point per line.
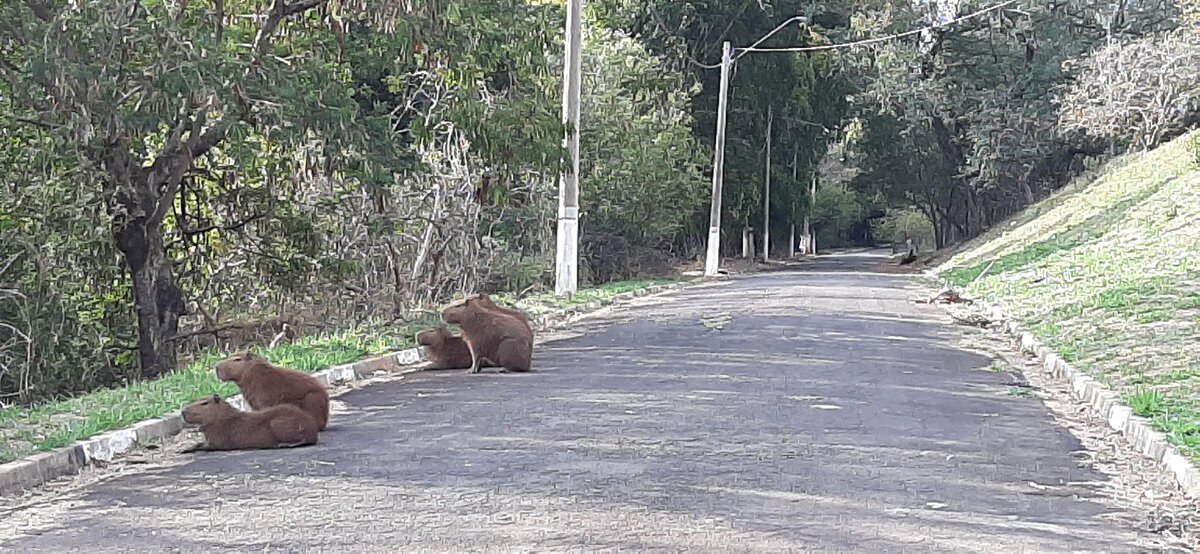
pixel 27 430
pixel 1108 273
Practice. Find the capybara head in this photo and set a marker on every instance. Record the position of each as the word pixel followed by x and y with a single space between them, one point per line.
pixel 458 312
pixel 204 410
pixel 235 367
pixel 433 336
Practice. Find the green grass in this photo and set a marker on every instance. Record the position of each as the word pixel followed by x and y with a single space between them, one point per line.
pixel 1107 273
pixel 1147 403
pixel 46 426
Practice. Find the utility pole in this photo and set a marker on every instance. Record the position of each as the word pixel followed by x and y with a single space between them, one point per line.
pixel 792 218
pixel 566 258
pixel 714 217
pixel 767 192
pixel 713 258
pixel 812 201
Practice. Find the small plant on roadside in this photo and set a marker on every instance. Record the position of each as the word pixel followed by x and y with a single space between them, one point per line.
pixel 1147 402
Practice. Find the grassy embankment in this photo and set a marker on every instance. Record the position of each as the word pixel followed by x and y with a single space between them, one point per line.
pixel 1107 272
pixel 27 430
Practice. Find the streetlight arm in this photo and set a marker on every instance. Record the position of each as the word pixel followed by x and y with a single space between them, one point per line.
pixel 800 18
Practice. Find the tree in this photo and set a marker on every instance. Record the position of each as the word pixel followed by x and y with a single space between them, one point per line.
pixel 120 82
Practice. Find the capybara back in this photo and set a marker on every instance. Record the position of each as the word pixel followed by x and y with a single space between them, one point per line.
pixel 265 385
pixel 228 428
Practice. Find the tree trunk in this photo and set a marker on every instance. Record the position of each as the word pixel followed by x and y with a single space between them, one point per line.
pixel 139 199
pixel 158 300
pixel 792 241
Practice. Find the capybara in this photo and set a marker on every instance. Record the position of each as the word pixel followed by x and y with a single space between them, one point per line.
pixel 265 385
pixel 445 351
pixel 498 337
pixel 487 302
pixel 228 428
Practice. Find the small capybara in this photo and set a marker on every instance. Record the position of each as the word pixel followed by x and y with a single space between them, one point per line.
pixel 487 302
pixel 445 351
pixel 228 428
pixel 265 385
pixel 501 338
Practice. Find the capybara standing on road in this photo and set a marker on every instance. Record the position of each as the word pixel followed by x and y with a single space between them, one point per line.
pixel 446 351
pixel 501 338
pixel 228 428
pixel 265 385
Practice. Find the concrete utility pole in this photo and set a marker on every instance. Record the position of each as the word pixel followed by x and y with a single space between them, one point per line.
pixel 566 258
pixel 792 218
pixel 713 258
pixel 767 192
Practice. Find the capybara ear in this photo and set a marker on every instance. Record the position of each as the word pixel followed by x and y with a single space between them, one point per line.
pixel 216 398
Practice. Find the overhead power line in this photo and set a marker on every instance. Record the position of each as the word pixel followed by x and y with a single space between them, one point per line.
pixel 877 39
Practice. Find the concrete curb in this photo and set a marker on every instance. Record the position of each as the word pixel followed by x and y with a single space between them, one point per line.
pixel 1106 404
pixel 39 468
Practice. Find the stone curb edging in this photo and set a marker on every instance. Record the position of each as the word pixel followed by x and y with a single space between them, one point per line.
pixel 1104 403
pixel 1107 405
pixel 37 469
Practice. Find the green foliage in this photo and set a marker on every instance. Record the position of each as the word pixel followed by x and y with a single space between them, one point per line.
pixel 968 129
pixel 640 173
pixel 903 224
pixel 805 92
pixel 304 203
pixel 835 211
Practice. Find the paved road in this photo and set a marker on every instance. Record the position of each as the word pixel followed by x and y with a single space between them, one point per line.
pixel 813 410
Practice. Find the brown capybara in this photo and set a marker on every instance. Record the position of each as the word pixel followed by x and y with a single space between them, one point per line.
pixel 228 428
pixel 501 338
pixel 445 351
pixel 265 385
pixel 487 302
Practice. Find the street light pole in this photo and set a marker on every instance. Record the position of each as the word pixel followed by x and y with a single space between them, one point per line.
pixel 566 259
pixel 767 191
pixel 713 258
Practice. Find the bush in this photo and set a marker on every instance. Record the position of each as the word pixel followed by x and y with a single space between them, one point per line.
pixel 1139 92
pixel 900 225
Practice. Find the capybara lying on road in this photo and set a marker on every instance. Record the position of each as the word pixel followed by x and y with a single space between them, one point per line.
pixel 228 428
pixel 265 385
pixel 501 338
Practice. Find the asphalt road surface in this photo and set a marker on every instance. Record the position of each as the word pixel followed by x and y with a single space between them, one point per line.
pixel 804 410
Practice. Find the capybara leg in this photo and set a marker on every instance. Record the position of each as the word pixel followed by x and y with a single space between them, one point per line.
pixel 475 363
pixel 196 447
